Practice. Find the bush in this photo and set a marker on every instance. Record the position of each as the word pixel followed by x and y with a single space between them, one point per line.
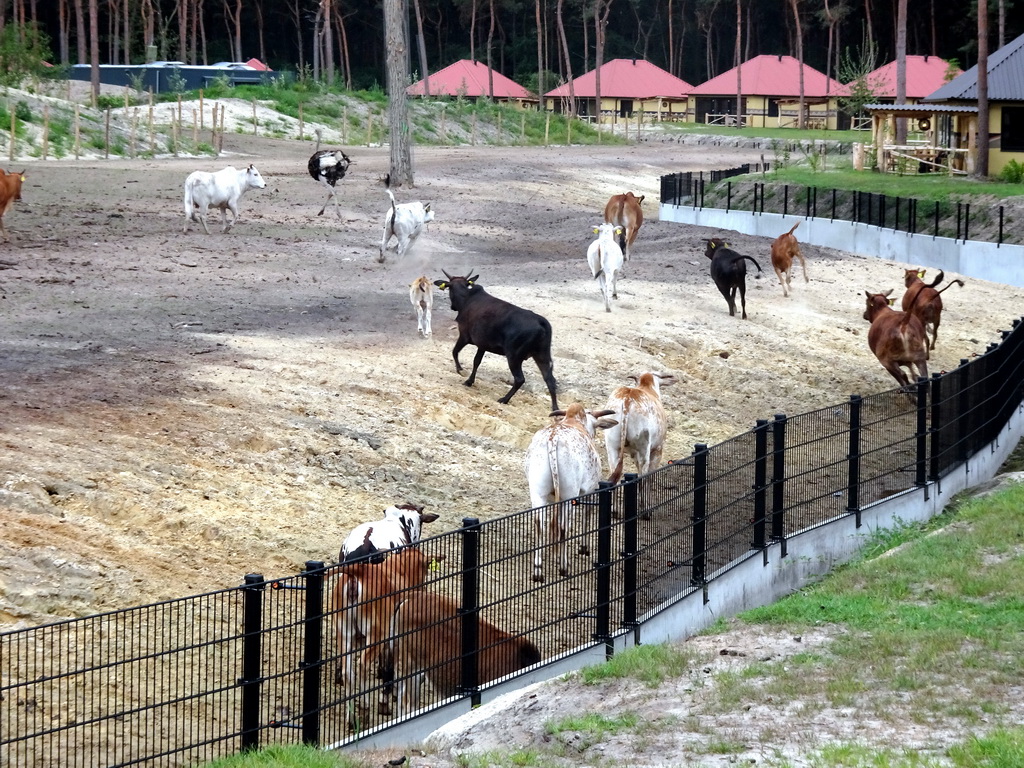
pixel 1012 173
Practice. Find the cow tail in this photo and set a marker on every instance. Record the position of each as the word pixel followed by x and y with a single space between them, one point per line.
pixel 793 229
pixel 189 205
pixel 553 466
pixel 616 473
pixel 938 279
pixel 957 281
pixel 753 261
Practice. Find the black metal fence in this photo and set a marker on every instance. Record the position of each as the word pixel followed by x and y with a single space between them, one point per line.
pixel 937 218
pixel 189 680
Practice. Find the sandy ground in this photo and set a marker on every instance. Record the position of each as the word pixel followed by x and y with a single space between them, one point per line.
pixel 180 410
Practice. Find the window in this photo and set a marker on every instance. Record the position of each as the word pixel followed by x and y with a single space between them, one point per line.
pixel 1012 129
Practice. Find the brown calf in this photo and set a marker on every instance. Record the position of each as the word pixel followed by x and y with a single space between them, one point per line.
pixel 924 301
pixel 624 211
pixel 896 338
pixel 10 190
pixel 364 599
pixel 427 641
pixel 784 249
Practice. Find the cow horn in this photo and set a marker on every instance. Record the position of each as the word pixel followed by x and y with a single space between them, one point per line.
pixel 447 275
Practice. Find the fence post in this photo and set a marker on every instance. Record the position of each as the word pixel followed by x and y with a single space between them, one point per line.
pixel 630 514
pixel 312 663
pixel 1000 240
pixel 760 482
pixel 785 199
pixel 936 428
pixel 967 220
pixel 728 196
pixel 470 607
pixel 700 511
pixel 779 480
pixel 251 679
pixel 963 412
pixel 603 568
pixel 922 434
pixel 935 231
pixel 853 459
pixel 833 217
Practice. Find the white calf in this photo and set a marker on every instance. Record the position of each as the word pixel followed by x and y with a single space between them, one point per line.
pixel 404 222
pixel 640 424
pixel 421 294
pixel 222 189
pixel 562 463
pixel 401 527
pixel 605 258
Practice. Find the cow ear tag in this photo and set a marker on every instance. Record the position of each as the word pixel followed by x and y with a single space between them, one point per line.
pixel 892 302
pixel 595 230
pixel 921 273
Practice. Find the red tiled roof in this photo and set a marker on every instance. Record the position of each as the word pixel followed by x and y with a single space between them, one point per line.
pixel 257 64
pixel 626 78
pixel 769 76
pixel 925 74
pixel 469 78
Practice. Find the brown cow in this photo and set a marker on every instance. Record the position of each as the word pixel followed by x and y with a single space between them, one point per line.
pixel 625 211
pixel 427 641
pixel 784 249
pixel 364 599
pixel 923 300
pixel 10 190
pixel 896 338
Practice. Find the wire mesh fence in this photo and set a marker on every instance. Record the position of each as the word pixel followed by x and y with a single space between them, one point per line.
pixel 339 651
pixel 937 218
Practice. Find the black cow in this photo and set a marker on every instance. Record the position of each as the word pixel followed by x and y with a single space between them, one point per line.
pixel 729 272
pixel 494 325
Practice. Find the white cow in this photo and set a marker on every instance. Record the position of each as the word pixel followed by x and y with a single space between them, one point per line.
pixel 641 424
pixel 605 258
pixel 402 525
pixel 421 294
pixel 561 464
pixel 404 222
pixel 222 189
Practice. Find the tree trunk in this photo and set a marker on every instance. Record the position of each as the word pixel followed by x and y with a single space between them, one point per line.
pixel 421 44
pixel 981 167
pixel 671 43
pixel 1002 23
pixel 238 30
pixel 795 5
pixel 346 66
pixel 126 25
pixel 602 9
pixel 259 32
pixel 901 68
pixel 869 23
pixel 472 31
pixel 565 58
pixel 540 53
pixel 62 41
pixel 739 61
pixel 490 44
pixel 296 13
pixel 94 50
pixel 83 54
pixel 397 69
pixel 328 42
pixel 182 6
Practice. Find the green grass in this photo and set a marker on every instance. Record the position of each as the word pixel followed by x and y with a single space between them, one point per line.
pixel 922 186
pixel 650 664
pixel 289 756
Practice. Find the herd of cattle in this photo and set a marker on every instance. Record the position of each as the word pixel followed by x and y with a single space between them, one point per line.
pixel 387 624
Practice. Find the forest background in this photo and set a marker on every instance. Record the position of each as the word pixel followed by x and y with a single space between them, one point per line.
pixel 538 43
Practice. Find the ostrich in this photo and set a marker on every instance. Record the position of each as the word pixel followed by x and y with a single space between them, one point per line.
pixel 327 166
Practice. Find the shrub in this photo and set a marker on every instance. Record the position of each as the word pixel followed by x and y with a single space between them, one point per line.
pixel 1013 172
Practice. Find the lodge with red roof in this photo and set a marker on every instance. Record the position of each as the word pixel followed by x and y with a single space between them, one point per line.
pixel 770 90
pixel 628 87
pixel 472 80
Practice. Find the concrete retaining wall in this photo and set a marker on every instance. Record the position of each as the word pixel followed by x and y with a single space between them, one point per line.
pixel 985 261
pixel 762 578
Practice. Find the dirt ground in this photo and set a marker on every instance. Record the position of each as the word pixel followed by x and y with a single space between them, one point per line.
pixel 180 410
